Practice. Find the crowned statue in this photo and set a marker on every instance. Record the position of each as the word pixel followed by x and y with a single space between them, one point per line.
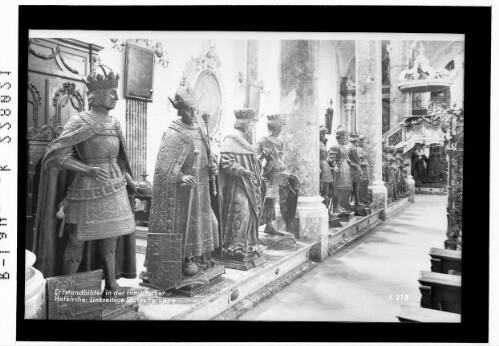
pixel 341 172
pixel 85 175
pixel 355 170
pixel 241 193
pixel 364 165
pixel 183 229
pixel 326 175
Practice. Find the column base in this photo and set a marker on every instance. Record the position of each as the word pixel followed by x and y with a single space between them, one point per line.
pixel 312 224
pixel 380 198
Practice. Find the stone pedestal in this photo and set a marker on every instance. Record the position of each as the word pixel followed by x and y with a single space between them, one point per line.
pixel 34 285
pixel 400 102
pixel 369 114
pixel 300 103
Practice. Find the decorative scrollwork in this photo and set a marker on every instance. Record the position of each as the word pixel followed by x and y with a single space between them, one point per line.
pixel 37 100
pixel 67 66
pixel 44 56
pixel 60 101
pixel 45 133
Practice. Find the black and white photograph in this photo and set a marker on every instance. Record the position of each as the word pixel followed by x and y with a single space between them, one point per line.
pixel 171 176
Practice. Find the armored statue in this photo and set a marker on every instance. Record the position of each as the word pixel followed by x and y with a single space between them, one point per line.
pixel 396 175
pixel 401 174
pixel 326 177
pixel 241 192
pixel 388 172
pixel 95 205
pixel 355 169
pixel 364 165
pixel 183 229
pixel 341 169
pixel 270 149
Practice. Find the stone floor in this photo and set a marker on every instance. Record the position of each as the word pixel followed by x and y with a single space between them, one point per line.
pixel 368 280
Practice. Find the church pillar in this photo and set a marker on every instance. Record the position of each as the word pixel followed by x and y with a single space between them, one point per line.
pixel 369 114
pixel 300 103
pixel 400 102
pixel 253 86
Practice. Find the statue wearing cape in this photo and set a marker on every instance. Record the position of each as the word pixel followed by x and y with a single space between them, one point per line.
pixel 95 210
pixel 168 242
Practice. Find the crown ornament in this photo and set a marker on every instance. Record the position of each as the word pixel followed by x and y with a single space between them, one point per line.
pixel 276 120
pixel 106 80
pixel 340 131
pixel 185 97
pixel 245 114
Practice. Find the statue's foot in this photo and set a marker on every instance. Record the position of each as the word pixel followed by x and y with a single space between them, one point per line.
pixel 269 229
pixel 190 268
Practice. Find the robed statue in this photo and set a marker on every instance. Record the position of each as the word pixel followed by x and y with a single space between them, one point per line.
pixel 84 179
pixel 183 229
pixel 241 192
pixel 326 174
pixel 341 170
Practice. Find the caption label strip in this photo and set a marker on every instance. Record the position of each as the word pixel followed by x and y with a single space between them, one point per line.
pixel 5 142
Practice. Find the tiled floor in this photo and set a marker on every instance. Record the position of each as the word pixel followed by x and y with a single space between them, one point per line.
pixel 371 278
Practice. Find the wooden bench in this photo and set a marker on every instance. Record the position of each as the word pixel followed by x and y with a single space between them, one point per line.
pixel 445 261
pixel 423 315
pixel 440 291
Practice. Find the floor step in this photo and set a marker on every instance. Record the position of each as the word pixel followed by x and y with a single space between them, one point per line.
pixel 235 287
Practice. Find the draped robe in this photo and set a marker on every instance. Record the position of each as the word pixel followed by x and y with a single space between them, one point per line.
pixel 241 195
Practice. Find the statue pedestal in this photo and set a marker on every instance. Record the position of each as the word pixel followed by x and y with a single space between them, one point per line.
pixel 313 225
pixel 245 263
pixel 411 188
pixel 345 216
pixel 380 200
pixel 34 285
pixel 277 242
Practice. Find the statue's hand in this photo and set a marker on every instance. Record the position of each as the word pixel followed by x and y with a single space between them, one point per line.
pixel 249 174
pixel 336 169
pixel 188 180
pixel 98 174
pixel 265 152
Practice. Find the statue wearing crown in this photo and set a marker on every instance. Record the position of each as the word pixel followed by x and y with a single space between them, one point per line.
pixel 85 175
pixel 341 172
pixel 241 192
pixel 183 229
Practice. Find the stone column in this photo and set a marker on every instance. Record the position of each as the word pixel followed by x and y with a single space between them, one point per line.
pixel 369 114
pixel 400 102
pixel 300 103
pixel 252 82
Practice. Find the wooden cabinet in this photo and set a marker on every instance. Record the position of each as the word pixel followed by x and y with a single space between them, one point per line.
pixel 56 91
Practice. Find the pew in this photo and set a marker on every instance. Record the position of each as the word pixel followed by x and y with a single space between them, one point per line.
pixel 445 261
pixel 423 315
pixel 440 291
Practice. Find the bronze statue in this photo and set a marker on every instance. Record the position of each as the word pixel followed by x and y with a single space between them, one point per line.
pixel 96 206
pixel 341 169
pixel 388 172
pixel 241 187
pixel 270 148
pixel 364 165
pixel 183 229
pixel 326 177
pixel 418 168
pixel 434 166
pixel 355 170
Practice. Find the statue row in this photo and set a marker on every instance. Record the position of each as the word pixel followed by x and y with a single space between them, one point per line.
pixel 344 173
pixel 199 203
pixel 394 173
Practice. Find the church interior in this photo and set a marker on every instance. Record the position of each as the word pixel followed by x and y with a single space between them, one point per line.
pixel 197 177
